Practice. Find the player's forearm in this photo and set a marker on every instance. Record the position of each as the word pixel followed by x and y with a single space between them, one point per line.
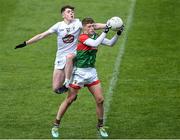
pixel 34 39
pixel 110 42
pixel 38 37
pixel 99 26
pixel 95 43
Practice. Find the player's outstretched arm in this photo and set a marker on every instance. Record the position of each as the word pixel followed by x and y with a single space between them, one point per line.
pixel 33 39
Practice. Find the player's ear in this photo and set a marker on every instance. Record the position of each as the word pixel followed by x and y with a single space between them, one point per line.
pixel 62 14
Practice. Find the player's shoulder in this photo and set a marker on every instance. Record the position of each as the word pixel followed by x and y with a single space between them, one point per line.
pixel 57 24
pixel 61 23
pixel 83 37
pixel 76 20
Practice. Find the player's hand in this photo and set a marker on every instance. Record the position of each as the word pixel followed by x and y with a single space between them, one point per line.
pixel 121 29
pixel 21 45
pixel 106 29
pixel 108 24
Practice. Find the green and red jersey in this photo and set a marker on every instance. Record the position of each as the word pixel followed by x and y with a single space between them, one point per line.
pixel 86 55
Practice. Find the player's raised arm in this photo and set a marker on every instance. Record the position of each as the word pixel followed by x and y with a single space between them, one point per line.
pixel 98 41
pixel 33 39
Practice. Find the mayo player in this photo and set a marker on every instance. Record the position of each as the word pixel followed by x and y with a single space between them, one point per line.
pixel 67 32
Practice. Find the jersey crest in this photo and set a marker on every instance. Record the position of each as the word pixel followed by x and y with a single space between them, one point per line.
pixel 68 30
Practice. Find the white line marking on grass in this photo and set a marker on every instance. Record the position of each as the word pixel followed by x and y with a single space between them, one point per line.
pixel 112 85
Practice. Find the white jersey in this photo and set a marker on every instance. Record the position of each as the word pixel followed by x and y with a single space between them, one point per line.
pixel 67 36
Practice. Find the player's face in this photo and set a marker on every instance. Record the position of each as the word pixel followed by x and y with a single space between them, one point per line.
pixel 68 14
pixel 89 28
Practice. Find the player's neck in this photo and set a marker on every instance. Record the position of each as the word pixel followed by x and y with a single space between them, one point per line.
pixel 85 32
pixel 67 21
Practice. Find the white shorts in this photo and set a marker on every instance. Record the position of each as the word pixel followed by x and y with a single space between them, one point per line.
pixel 60 63
pixel 84 77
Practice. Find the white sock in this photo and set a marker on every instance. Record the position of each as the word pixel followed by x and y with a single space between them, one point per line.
pixel 66 82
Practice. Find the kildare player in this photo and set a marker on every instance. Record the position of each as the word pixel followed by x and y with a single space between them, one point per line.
pixel 67 32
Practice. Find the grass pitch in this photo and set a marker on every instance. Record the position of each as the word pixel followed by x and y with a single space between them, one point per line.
pixel 145 101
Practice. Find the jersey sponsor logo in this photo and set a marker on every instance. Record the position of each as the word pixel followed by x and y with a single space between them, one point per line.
pixel 68 38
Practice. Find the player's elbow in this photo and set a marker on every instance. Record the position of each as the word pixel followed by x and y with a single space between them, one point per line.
pixel 71 99
pixel 110 44
pixel 43 35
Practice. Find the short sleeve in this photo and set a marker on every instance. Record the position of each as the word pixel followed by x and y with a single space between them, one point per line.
pixel 54 28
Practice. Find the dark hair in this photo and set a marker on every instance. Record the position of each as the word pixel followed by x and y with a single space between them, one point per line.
pixel 65 7
pixel 87 20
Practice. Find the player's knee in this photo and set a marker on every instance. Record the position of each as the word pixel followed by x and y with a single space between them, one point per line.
pixel 100 100
pixel 71 99
pixel 70 56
